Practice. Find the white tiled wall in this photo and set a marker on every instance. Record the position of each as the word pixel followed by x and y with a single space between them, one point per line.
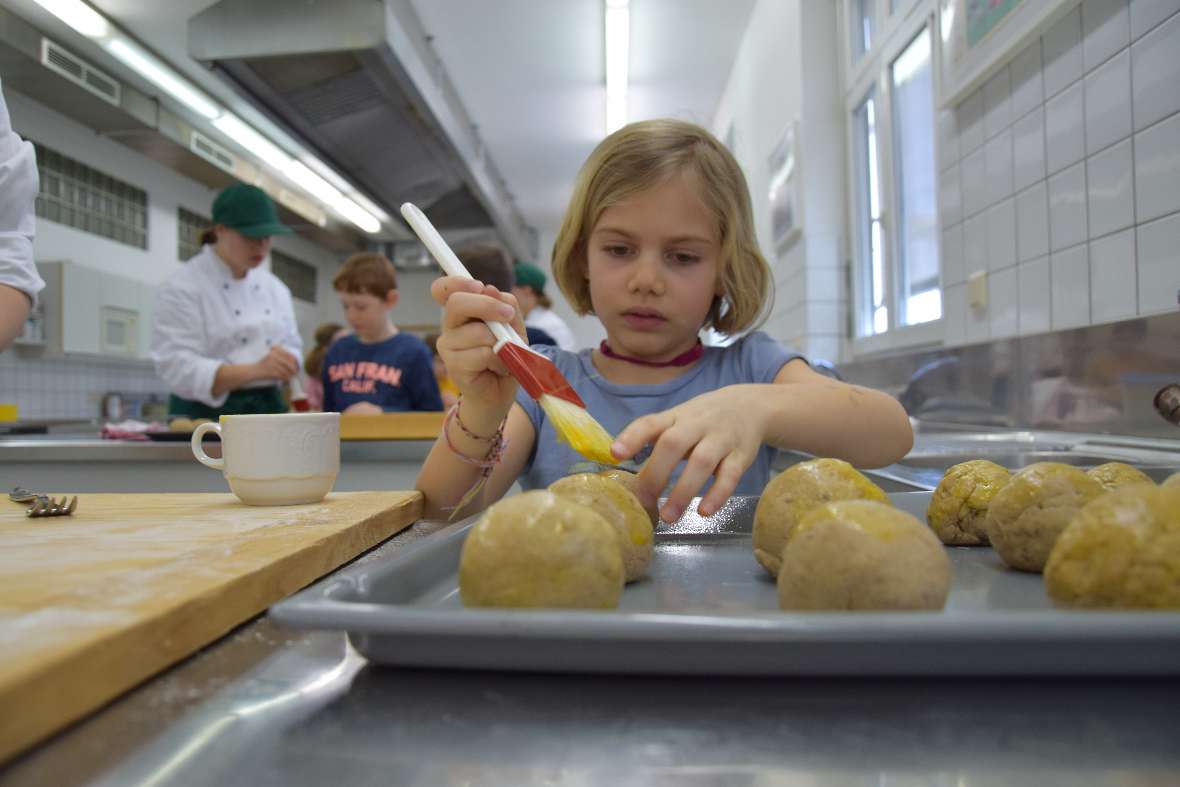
pixel 70 388
pixel 1061 177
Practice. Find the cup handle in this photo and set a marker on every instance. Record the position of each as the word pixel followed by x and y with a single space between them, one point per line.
pixel 199 450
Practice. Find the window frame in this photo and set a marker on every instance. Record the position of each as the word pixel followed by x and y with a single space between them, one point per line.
pixel 872 73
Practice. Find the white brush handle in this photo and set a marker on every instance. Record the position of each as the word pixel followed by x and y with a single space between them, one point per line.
pixel 446 258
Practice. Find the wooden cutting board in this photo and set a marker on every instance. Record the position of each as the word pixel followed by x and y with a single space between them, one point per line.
pixel 92 604
pixel 391 426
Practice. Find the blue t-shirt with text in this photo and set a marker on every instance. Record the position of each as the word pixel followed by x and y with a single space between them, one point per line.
pixel 755 358
pixel 396 374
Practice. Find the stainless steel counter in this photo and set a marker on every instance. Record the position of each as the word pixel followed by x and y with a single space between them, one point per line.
pixel 76 464
pixel 266 706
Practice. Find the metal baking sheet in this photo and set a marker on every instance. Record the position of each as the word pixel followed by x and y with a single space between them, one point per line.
pixel 709 608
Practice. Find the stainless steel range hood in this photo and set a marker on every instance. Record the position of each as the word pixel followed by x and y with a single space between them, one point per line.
pixel 358 82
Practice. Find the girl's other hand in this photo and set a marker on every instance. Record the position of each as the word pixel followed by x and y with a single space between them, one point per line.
pixel 719 434
pixel 363 408
pixel 465 345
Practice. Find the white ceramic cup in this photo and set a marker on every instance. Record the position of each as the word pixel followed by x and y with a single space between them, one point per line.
pixel 275 460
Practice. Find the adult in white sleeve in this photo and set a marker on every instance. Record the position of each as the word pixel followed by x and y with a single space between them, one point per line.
pixel 224 335
pixel 19 280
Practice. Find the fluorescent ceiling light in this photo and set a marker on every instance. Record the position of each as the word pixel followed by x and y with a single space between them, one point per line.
pixel 79 16
pixel 357 215
pixel 162 77
pixel 230 125
pixel 618 53
pixel 325 192
pixel 312 183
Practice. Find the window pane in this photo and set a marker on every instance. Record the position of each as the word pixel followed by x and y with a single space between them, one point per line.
pixel 861 21
pixel 917 221
pixel 870 240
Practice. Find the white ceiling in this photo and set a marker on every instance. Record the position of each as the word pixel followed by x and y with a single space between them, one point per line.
pixel 530 73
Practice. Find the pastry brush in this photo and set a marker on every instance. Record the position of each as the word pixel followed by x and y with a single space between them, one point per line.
pixel 538 375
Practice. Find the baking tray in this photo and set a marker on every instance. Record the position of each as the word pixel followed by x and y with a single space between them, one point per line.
pixel 709 608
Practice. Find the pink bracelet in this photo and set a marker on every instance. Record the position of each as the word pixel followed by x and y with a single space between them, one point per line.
pixel 468 432
pixel 497 440
pixel 495 453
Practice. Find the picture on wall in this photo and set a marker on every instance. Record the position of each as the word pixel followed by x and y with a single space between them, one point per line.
pixel 783 190
pixel 984 15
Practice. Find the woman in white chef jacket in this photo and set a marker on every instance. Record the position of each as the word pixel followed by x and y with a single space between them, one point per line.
pixel 223 329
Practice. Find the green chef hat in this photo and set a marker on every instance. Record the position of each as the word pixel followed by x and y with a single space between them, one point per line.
pixel 529 275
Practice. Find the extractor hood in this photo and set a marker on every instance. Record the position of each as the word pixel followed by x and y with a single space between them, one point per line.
pixel 83 89
pixel 358 82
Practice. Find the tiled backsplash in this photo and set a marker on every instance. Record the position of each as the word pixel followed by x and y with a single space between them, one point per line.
pixel 1060 178
pixel 73 388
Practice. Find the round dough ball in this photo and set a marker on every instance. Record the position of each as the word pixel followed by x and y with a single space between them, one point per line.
pixel 618 506
pixel 1172 481
pixel 1121 550
pixel 958 508
pixel 181 425
pixel 1115 475
pixel 537 549
pixel 794 492
pixel 861 554
pixel 631 481
pixel 1032 509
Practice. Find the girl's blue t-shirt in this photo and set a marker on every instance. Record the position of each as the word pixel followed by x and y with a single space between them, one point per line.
pixel 755 358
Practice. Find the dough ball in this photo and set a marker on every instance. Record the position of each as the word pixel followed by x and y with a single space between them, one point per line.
pixel 958 508
pixel 181 425
pixel 631 481
pixel 1032 509
pixel 861 554
pixel 1172 481
pixel 618 506
pixel 794 492
pixel 1121 550
pixel 1115 475
pixel 537 549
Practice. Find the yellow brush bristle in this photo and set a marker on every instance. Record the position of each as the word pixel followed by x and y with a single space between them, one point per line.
pixel 578 429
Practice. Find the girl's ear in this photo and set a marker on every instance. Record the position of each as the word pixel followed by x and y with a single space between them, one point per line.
pixel 391 298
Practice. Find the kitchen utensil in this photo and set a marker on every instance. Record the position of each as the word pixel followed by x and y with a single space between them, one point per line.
pixel 51 507
pixel 538 375
pixel 88 612
pixel 709 609
pixel 299 401
pixel 275 460
pixel 21 495
pixel 43 505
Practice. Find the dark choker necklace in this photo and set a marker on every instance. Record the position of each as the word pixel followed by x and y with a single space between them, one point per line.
pixel 684 359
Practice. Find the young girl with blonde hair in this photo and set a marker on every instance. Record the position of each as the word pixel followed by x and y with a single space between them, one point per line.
pixel 658 242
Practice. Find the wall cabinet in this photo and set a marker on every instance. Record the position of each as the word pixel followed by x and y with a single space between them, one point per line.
pixel 91 312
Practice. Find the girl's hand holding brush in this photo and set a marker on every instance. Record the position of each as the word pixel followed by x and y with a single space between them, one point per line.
pixel 465 346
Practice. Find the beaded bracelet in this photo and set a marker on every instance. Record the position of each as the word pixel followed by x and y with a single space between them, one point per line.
pixel 468 432
pixel 495 453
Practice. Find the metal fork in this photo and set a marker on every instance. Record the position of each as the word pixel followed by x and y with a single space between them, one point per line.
pixel 43 505
pixel 53 507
